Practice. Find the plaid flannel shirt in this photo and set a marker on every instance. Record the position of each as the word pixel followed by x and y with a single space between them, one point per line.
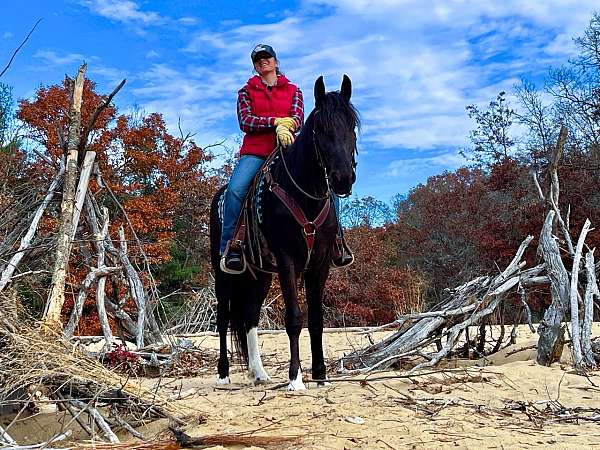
pixel 250 122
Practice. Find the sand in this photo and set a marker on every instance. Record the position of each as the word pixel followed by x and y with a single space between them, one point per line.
pixel 475 406
pixel 324 415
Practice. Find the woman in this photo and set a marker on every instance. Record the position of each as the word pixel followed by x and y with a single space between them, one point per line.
pixel 270 109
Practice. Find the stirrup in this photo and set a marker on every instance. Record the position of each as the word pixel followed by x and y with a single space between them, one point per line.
pixel 226 254
pixel 343 256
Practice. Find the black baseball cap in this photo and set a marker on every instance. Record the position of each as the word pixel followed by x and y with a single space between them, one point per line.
pixel 262 48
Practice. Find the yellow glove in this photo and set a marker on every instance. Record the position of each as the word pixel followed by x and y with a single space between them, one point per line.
pixel 284 135
pixel 287 122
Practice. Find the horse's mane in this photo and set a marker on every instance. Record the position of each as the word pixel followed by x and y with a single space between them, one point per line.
pixel 334 111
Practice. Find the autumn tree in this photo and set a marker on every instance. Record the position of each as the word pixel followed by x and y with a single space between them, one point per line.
pixel 150 178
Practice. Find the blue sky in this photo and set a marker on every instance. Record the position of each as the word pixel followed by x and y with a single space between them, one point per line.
pixel 414 64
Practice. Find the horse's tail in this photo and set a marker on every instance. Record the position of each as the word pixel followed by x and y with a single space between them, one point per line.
pixel 231 307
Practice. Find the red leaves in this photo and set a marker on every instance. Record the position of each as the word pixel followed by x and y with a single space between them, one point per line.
pixel 373 290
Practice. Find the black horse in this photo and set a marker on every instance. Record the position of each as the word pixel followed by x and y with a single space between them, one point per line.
pixel 320 162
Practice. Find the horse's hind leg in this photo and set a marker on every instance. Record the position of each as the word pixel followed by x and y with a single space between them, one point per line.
pixel 223 298
pixel 256 371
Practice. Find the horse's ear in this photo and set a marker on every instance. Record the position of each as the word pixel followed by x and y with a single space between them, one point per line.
pixel 319 90
pixel 346 87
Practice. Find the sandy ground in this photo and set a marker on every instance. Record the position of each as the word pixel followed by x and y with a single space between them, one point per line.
pixel 476 414
pixel 468 408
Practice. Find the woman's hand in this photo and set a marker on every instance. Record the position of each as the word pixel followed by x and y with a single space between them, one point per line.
pixel 284 135
pixel 288 122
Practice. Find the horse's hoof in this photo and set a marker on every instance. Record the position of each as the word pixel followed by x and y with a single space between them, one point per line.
pixel 259 376
pixel 323 383
pixel 225 380
pixel 297 384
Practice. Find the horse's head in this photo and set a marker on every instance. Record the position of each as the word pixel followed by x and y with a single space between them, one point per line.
pixel 335 121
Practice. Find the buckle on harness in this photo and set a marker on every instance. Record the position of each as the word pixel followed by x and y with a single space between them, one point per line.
pixel 309 229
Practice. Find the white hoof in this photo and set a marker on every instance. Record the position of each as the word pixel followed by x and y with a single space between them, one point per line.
pixel 258 375
pixel 225 380
pixel 323 383
pixel 297 384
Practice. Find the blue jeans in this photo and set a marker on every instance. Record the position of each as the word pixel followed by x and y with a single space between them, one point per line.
pixel 242 176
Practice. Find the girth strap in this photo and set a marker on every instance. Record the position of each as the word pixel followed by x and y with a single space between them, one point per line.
pixel 309 228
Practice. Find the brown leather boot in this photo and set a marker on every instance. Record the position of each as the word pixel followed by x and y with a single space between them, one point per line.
pixel 342 255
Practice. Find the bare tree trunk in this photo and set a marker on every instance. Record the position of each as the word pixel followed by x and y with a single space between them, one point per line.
pixel 84 179
pixel 57 294
pixel 554 188
pixel 100 294
pixel 78 306
pixel 136 288
pixel 26 241
pixel 574 298
pixel 591 291
pixel 551 340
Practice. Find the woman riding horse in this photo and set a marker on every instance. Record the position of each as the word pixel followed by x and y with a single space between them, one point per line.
pixel 290 212
pixel 270 110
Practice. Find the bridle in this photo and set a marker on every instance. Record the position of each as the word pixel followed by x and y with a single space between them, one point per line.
pixel 322 165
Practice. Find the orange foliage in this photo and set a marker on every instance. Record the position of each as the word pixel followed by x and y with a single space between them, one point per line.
pixel 153 175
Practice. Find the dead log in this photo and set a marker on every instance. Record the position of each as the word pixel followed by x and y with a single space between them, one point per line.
pixel 100 289
pixel 82 186
pixel 574 299
pixel 591 291
pixel 550 330
pixel 56 299
pixel 8 271
pixel 90 278
pixel 98 418
pixel 135 287
pixel 467 305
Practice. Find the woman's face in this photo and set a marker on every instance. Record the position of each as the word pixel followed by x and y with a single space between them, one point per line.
pixel 265 64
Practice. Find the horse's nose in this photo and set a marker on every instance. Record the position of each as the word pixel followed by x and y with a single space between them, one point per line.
pixel 342 182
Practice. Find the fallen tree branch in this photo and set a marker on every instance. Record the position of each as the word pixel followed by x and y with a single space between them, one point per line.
pixel 7 274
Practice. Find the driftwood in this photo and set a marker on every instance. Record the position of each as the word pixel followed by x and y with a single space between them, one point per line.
pixel 466 306
pixel 7 274
pixel 472 304
pixel 63 251
pixel 591 291
pixel 91 277
pixel 550 330
pixel 100 289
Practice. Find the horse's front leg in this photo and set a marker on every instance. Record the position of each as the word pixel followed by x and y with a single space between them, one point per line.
pixel 293 319
pixel 223 299
pixel 315 284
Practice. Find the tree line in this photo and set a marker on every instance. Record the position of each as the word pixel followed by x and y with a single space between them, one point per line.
pixel 455 226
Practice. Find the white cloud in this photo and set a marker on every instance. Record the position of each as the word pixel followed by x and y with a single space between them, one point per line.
pixel 126 11
pixel 408 167
pixel 414 66
pixel 49 57
pixel 187 21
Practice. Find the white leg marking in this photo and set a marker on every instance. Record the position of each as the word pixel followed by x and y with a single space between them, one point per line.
pixel 225 380
pixel 256 370
pixel 297 384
